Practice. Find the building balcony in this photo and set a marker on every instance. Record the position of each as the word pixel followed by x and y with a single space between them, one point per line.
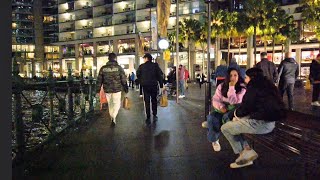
pixel 86 16
pixel 102 2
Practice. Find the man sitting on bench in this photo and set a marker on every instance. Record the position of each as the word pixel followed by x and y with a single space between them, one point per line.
pixel 260 108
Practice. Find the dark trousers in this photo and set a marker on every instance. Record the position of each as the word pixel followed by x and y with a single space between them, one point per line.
pixel 150 92
pixel 315 92
pixel 140 90
pixel 287 87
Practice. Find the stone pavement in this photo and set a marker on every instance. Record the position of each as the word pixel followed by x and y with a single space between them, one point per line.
pixel 175 147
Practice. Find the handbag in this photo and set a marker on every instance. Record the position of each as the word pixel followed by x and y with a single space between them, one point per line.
pixel 103 97
pixel 164 101
pixel 126 104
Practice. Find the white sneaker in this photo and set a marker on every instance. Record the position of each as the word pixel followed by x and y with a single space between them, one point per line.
pixel 140 95
pixel 246 156
pixel 238 165
pixel 216 146
pixel 181 96
pixel 204 124
pixel 315 103
pixel 137 89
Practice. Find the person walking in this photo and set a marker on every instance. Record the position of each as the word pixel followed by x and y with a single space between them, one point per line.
pixel 288 72
pixel 268 68
pixel 150 75
pixel 315 80
pixel 186 78
pixel 132 78
pixel 181 71
pixel 114 80
pixel 261 106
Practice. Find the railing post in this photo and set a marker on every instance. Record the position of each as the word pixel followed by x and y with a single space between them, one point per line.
pixel 52 122
pixel 70 97
pixel 82 97
pixel 90 90
pixel 17 85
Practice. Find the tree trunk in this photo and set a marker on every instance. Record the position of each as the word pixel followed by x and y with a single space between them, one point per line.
pixel 265 43
pixel 203 59
pixel 228 57
pixel 255 44
pixel 239 48
pixel 273 44
pixel 189 54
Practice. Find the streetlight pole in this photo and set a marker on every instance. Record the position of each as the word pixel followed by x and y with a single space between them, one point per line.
pixel 177 51
pixel 208 90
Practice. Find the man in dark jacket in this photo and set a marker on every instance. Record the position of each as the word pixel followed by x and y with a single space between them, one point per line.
pixel 315 80
pixel 268 68
pixel 288 72
pixel 114 80
pixel 150 75
pixel 261 106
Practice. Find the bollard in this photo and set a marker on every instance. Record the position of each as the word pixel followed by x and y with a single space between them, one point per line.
pixel 17 85
pixel 52 122
pixel 90 90
pixel 70 97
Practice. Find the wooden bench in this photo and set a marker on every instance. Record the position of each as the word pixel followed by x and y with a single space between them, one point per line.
pixel 297 138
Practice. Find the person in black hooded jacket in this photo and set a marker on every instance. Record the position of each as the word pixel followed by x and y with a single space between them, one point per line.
pixel 261 106
pixel 288 72
pixel 315 80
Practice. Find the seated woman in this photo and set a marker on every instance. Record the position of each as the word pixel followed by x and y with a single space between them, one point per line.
pixel 227 95
pixel 260 108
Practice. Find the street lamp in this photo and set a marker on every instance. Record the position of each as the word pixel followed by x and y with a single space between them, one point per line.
pixel 163 44
pixel 208 89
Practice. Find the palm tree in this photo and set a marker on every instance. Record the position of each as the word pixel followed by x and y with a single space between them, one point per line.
pixel 241 26
pixel 229 27
pixel 311 15
pixel 255 12
pixel 190 29
pixel 276 23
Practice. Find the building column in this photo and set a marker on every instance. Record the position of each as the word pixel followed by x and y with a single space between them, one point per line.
pixel 137 57
pixel 250 55
pixel 38 34
pixel 60 59
pixel 115 46
pixel 298 59
pixel 77 56
pixel 95 61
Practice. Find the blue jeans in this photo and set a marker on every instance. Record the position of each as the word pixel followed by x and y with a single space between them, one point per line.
pixel 214 120
pixel 181 87
pixel 232 130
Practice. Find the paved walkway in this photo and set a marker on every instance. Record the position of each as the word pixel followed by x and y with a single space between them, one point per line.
pixel 175 147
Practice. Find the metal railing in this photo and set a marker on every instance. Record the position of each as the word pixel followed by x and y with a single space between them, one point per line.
pixel 60 105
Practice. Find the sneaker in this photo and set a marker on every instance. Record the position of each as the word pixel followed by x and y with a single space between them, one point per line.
pixel 216 146
pixel 315 103
pixel 246 156
pixel 181 96
pixel 204 124
pixel 148 121
pixel 137 89
pixel 140 95
pixel 238 165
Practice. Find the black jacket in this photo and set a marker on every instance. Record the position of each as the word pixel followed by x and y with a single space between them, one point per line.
pixel 269 69
pixel 262 101
pixel 149 74
pixel 314 71
pixel 290 70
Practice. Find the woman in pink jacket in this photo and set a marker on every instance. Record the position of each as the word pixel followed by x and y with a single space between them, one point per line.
pixel 227 95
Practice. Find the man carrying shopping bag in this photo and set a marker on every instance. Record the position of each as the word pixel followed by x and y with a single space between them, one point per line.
pixel 150 75
pixel 114 80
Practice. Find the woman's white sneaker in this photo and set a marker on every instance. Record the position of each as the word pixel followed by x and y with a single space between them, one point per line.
pixel 216 146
